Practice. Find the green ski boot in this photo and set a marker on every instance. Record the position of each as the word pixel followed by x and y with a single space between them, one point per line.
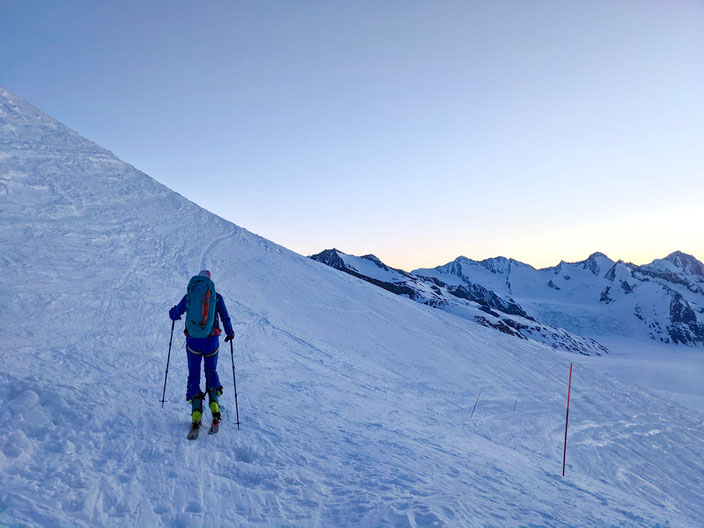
pixel 197 409
pixel 213 395
pixel 196 415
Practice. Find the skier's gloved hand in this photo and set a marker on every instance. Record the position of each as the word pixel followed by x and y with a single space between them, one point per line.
pixel 230 337
pixel 172 314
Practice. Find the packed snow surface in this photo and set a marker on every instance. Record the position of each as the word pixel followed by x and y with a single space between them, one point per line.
pixel 355 403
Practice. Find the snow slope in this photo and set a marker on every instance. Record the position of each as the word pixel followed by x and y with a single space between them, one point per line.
pixel 354 402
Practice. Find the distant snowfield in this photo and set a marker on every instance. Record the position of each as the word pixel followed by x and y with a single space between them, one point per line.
pixel 355 403
pixel 676 372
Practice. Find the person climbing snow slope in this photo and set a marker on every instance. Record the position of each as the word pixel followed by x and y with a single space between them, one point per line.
pixel 204 309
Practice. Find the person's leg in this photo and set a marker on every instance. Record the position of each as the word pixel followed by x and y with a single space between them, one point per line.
pixel 212 385
pixel 212 380
pixel 193 392
pixel 193 384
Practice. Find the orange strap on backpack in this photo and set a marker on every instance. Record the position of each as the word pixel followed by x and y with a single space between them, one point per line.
pixel 206 308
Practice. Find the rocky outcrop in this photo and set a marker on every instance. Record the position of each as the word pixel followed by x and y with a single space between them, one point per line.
pixel 480 295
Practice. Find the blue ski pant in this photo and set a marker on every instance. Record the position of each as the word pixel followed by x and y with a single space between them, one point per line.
pixel 210 365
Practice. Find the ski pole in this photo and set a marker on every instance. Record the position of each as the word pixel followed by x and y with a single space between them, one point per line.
pixel 234 380
pixel 168 358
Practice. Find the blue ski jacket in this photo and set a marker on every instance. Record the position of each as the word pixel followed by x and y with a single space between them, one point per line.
pixel 205 345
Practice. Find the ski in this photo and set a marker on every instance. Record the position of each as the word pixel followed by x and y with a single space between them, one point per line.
pixel 193 433
pixel 214 428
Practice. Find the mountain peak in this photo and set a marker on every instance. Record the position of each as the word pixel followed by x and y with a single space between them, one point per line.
pixel 455 266
pixel 330 257
pixel 376 260
pixel 498 264
pixel 596 255
pixel 597 262
pixel 686 262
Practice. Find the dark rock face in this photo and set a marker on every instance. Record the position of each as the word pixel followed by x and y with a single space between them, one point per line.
pixel 398 289
pixel 331 258
pixel 684 327
pixel 680 311
pixel 665 275
pixel 479 294
pixel 611 274
pixel 501 326
pixel 638 312
pixel 605 297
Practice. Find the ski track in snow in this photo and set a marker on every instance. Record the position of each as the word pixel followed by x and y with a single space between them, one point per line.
pixel 355 403
pixel 206 252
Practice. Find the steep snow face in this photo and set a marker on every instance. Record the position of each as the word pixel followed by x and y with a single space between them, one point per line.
pixel 354 402
pixel 597 297
pixel 76 220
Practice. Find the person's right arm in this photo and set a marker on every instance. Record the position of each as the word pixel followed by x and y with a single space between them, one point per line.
pixel 177 311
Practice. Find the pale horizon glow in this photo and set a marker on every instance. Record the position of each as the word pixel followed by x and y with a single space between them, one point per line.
pixel 416 131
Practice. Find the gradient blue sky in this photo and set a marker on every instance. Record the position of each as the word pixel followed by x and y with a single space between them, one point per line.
pixel 417 131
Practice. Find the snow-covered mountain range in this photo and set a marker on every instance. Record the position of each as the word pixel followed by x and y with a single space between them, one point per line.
pixel 356 404
pixel 471 301
pixel 566 306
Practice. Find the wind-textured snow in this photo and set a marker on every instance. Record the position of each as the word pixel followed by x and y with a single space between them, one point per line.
pixel 354 402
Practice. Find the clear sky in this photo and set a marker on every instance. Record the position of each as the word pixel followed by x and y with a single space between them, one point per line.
pixel 417 131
